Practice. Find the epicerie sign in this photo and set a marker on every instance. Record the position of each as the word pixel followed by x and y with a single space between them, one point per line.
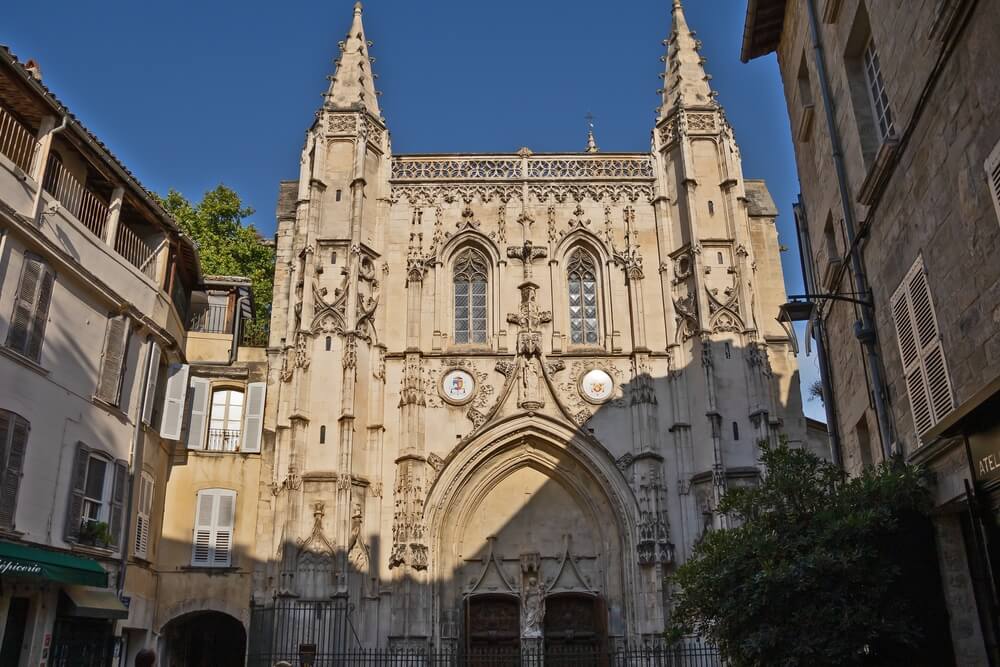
pixel 17 567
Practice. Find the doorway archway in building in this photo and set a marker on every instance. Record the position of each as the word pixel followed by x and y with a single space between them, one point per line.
pixel 205 639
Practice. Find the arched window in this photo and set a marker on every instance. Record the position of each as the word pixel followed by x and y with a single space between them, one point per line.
pixel 581 279
pixel 469 278
pixel 226 420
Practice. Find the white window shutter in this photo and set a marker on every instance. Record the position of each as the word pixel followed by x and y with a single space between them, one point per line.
pixel 993 176
pixel 213 531
pixel 918 336
pixel 173 401
pixel 253 416
pixel 203 523
pixel 154 370
pixel 222 546
pixel 200 405
pixel 109 382
pixel 144 509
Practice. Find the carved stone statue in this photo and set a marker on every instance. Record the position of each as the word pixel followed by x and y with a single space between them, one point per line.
pixel 530 396
pixel 532 609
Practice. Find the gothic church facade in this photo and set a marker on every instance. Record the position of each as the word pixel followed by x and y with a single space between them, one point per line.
pixel 508 391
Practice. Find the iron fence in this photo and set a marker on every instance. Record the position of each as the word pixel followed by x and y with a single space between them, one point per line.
pixel 320 634
pixel 542 656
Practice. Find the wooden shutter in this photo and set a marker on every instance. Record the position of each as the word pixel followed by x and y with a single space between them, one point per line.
pixel 118 502
pixel 109 383
pixel 41 316
pixel 154 371
pixel 213 529
pixel 198 423
pixel 13 441
pixel 144 508
pixel 918 336
pixel 253 416
pixel 173 402
pixel 993 176
pixel 223 538
pixel 31 308
pixel 78 478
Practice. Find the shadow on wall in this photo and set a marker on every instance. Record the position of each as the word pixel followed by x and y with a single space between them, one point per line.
pixel 552 525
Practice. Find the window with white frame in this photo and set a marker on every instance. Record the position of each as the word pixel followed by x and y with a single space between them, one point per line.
pixel 226 420
pixel 876 91
pixel 97 498
pixel 97 489
pixel 212 542
pixel 143 512
pixel 924 366
pixel 469 278
pixel 581 281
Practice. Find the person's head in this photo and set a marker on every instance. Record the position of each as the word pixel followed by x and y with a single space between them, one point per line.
pixel 145 658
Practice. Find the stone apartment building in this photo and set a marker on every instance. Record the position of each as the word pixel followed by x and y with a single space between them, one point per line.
pixel 129 445
pixel 508 390
pixel 893 111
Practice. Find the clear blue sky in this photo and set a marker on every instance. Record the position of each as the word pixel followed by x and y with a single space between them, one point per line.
pixel 191 94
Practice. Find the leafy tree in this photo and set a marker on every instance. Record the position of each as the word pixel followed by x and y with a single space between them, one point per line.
pixel 821 569
pixel 226 246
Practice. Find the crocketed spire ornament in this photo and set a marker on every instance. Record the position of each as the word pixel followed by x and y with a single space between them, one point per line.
pixel 685 83
pixel 352 85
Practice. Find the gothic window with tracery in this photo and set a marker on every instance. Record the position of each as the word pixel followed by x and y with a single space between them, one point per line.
pixel 581 277
pixel 469 279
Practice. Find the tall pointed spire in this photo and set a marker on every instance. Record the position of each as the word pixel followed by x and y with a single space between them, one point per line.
pixel 353 83
pixel 685 83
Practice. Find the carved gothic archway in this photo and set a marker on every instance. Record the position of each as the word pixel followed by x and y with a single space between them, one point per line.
pixel 526 497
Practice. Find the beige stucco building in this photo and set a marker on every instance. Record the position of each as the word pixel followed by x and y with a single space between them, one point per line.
pixel 893 108
pixel 130 417
pixel 508 390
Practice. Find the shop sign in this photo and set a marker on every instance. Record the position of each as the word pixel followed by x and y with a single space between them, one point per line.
pixel 22 568
pixel 985 458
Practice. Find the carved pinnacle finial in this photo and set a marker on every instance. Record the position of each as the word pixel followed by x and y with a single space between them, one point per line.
pixel 591 143
pixel 358 7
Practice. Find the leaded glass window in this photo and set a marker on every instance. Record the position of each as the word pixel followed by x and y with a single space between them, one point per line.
pixel 469 279
pixel 581 275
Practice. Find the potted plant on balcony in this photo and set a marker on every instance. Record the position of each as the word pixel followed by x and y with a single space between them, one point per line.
pixel 95 533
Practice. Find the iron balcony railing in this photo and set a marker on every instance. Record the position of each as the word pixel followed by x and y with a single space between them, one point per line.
pixel 75 197
pixel 134 249
pixel 223 440
pixel 213 318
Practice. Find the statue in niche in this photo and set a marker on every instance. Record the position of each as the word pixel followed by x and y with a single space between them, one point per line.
pixel 357 553
pixel 530 394
pixel 532 609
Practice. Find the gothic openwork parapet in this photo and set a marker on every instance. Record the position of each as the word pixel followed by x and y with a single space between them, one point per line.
pixel 526 167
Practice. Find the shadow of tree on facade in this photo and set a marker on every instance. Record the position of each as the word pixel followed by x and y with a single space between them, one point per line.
pixel 553 525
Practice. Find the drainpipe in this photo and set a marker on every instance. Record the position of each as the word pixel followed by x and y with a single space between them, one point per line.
pixel 135 464
pixel 864 330
pixel 808 274
pixel 36 205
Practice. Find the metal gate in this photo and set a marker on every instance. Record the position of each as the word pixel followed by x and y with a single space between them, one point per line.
pixel 291 629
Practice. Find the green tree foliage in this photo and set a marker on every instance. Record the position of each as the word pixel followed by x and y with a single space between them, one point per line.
pixel 820 569
pixel 225 245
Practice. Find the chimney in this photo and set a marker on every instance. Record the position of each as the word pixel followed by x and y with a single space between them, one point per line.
pixel 34 69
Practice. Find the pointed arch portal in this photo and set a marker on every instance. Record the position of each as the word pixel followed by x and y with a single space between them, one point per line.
pixel 526 513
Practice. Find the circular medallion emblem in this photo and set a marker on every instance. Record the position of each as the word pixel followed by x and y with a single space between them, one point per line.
pixel 596 386
pixel 458 386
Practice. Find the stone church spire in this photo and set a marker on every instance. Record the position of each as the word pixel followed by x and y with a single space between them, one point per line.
pixel 352 85
pixel 685 83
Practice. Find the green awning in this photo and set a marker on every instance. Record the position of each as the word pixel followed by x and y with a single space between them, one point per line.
pixel 94 603
pixel 19 560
